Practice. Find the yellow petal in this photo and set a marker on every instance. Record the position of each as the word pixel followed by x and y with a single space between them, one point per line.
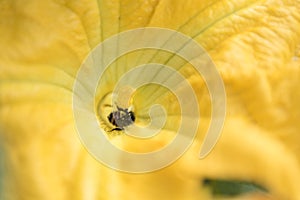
pixel 255 45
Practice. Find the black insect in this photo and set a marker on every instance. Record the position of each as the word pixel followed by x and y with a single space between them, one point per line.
pixel 121 118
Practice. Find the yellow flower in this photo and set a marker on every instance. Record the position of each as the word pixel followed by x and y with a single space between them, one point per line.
pixel 254 44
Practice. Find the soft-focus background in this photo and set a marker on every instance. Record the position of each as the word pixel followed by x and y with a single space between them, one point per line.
pixel 255 46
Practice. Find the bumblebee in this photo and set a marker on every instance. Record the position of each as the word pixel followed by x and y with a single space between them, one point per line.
pixel 121 118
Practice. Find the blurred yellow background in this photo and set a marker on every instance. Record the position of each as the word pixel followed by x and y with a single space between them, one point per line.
pixel 254 44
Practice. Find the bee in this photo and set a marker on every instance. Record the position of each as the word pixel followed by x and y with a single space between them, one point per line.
pixel 121 118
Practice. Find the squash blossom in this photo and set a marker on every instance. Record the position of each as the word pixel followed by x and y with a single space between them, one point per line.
pixel 255 46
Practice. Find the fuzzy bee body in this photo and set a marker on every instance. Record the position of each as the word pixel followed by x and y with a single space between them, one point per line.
pixel 121 118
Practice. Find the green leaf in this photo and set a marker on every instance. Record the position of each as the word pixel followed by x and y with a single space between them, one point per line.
pixel 232 187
